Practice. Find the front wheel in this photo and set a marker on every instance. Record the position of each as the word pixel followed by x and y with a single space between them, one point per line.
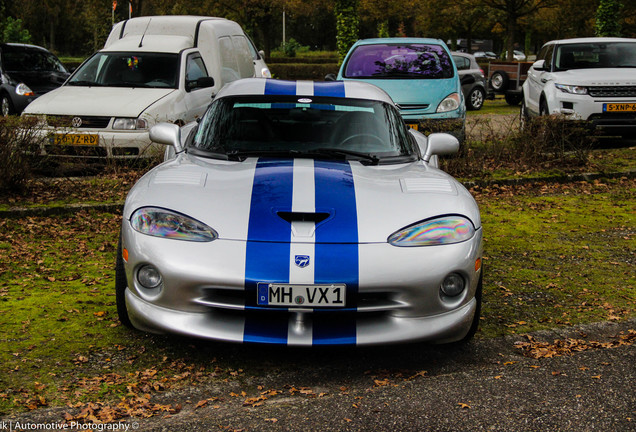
pixel 475 324
pixel 524 118
pixel 120 288
pixel 543 108
pixel 476 98
pixel 6 107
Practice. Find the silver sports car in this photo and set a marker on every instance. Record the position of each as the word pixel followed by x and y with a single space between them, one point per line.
pixel 301 213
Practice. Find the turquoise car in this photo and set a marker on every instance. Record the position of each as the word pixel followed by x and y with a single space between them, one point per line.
pixel 420 76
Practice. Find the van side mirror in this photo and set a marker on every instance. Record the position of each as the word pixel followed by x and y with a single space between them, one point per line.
pixel 203 82
pixel 330 77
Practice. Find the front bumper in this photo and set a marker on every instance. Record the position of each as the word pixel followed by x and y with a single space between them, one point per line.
pixel 594 111
pixel 397 296
pixel 230 327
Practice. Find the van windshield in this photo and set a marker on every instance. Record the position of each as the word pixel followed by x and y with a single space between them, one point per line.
pixel 421 61
pixel 121 69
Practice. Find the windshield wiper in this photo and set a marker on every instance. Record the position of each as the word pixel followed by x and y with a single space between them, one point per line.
pixel 343 153
pixel 241 155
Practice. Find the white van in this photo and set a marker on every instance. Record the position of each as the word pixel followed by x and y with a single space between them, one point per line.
pixel 151 69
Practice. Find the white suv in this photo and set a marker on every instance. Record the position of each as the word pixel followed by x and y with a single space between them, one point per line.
pixel 591 79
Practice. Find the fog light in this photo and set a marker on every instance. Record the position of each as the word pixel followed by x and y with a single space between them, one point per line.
pixel 149 277
pixel 453 285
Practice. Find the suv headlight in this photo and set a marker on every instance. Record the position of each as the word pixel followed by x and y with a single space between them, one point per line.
pixel 438 231
pixel 450 103
pixel 159 222
pixel 130 124
pixel 572 89
pixel 24 90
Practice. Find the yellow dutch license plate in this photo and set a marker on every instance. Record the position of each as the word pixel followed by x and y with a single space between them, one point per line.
pixel 619 107
pixel 415 126
pixel 76 139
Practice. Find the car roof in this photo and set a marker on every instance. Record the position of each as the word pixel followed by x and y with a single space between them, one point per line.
pixel 590 40
pixel 150 43
pixel 22 45
pixel 402 40
pixel 263 86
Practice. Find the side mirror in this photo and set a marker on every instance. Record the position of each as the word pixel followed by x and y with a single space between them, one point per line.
pixel 203 82
pixel 440 144
pixel 167 134
pixel 330 77
pixel 539 65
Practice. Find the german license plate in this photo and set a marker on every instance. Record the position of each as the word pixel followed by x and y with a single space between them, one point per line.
pixel 292 295
pixel 619 107
pixel 75 139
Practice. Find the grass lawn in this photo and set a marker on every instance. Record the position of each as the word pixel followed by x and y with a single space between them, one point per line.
pixel 555 255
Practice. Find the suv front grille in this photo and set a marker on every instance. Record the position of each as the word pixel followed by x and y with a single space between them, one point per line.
pixel 92 122
pixel 612 91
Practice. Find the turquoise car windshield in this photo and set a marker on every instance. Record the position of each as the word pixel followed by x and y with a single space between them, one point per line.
pixel 421 61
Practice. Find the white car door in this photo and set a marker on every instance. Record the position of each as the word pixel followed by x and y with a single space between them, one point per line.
pixel 537 79
pixel 196 98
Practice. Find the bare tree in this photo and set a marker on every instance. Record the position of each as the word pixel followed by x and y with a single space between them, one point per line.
pixel 512 11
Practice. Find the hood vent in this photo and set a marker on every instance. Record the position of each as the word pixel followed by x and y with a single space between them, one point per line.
pixel 303 217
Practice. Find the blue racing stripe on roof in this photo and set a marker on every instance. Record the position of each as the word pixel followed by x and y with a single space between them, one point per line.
pixel 267 261
pixel 277 87
pixel 336 250
pixel 333 89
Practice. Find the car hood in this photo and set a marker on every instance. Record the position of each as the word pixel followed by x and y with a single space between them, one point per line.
pixel 272 200
pixel 417 91
pixel 97 101
pixel 597 77
pixel 40 82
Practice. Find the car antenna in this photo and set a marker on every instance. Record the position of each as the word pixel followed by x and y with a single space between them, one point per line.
pixel 141 41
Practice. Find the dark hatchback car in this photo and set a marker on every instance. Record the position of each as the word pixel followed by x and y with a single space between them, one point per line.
pixel 472 79
pixel 26 72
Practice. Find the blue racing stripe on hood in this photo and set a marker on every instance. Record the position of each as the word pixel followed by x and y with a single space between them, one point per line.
pixel 336 249
pixel 267 261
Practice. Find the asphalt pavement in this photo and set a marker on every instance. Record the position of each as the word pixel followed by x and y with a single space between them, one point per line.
pixel 486 385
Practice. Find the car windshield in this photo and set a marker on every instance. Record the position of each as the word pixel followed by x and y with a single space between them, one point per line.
pixel 120 69
pixel 421 61
pixel 16 59
pixel 596 55
pixel 235 128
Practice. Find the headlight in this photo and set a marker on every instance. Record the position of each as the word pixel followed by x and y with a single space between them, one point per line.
pixel 572 89
pixel 130 124
pixel 24 90
pixel 450 103
pixel 160 222
pixel 439 231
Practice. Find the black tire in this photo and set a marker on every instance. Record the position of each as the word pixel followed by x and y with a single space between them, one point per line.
pixel 475 99
pixel 120 288
pixel 6 106
pixel 524 118
pixel 513 98
pixel 475 324
pixel 543 108
pixel 499 81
